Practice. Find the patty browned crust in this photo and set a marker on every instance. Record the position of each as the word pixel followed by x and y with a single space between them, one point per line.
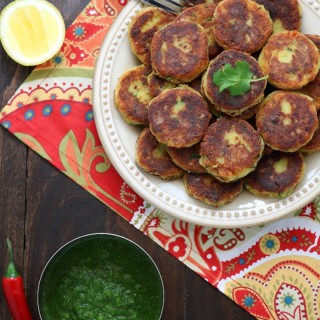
pixel 208 189
pixel 187 158
pixel 179 117
pixel 287 120
pixel 153 157
pixel 276 175
pixel 249 113
pixel 312 89
pixel 314 144
pixel 285 14
pixel 290 60
pixel 157 84
pixel 315 38
pixel 242 25
pixel 179 51
pixel 142 29
pixel 230 149
pixel 132 95
pixel 203 15
pixel 224 101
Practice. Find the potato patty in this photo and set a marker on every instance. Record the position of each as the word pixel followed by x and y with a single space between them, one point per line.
pixel 142 29
pixel 312 89
pixel 203 15
pixel 208 189
pixel 179 51
pixel 152 157
pixel 290 59
pixel 179 117
pixel 157 84
pixel 242 25
pixel 224 101
pixel 285 14
pixel 314 144
pixel 230 149
pixel 187 158
pixel 276 175
pixel 132 95
pixel 287 120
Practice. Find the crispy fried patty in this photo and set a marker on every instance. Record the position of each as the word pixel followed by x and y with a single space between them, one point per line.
pixel 290 60
pixel 187 158
pixel 132 95
pixel 179 51
pixel 142 28
pixel 203 15
pixel 314 144
pixel 224 101
pixel 152 156
pixel 312 89
pixel 276 175
pixel 157 84
pixel 230 149
pixel 315 39
pixel 241 25
pixel 287 120
pixel 285 14
pixel 208 189
pixel 179 117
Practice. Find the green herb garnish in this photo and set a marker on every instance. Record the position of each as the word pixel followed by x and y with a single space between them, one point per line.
pixel 236 79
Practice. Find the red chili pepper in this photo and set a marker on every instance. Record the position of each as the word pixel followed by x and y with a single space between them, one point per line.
pixel 12 286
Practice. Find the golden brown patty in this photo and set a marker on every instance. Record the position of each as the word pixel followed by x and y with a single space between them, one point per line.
pixel 179 117
pixel 196 85
pixel 249 113
pixel 285 14
pixel 230 149
pixel 314 144
pixel 142 28
pixel 179 51
pixel 132 95
pixel 312 89
pixel 287 120
pixel 224 101
pixel 187 158
pixel 241 25
pixel 315 39
pixel 208 189
pixel 276 175
pixel 157 85
pixel 153 157
pixel 203 15
pixel 290 60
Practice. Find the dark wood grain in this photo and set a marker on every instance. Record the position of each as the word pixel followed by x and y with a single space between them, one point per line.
pixel 41 209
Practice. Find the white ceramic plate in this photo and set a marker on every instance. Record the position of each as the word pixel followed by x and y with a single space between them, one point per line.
pixel 118 139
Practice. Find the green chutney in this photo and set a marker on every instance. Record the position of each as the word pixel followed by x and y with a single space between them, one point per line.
pixel 101 277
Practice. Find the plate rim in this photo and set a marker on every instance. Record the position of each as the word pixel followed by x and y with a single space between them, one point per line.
pixel 138 181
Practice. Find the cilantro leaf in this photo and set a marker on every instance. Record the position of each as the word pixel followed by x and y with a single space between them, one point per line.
pixel 236 79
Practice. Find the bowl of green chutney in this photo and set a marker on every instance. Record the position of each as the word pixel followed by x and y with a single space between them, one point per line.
pixel 100 276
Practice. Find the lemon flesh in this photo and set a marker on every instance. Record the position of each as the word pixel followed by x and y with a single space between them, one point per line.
pixel 31 31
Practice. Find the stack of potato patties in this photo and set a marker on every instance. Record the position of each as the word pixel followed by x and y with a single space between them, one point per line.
pixel 226 95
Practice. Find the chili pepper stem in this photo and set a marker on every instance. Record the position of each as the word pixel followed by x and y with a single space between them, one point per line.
pixel 11 271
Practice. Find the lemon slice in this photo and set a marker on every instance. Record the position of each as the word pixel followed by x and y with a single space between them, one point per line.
pixel 31 31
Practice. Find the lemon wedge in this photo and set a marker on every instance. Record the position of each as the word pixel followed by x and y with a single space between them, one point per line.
pixel 31 31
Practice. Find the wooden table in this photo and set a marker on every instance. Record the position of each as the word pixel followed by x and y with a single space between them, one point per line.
pixel 41 209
